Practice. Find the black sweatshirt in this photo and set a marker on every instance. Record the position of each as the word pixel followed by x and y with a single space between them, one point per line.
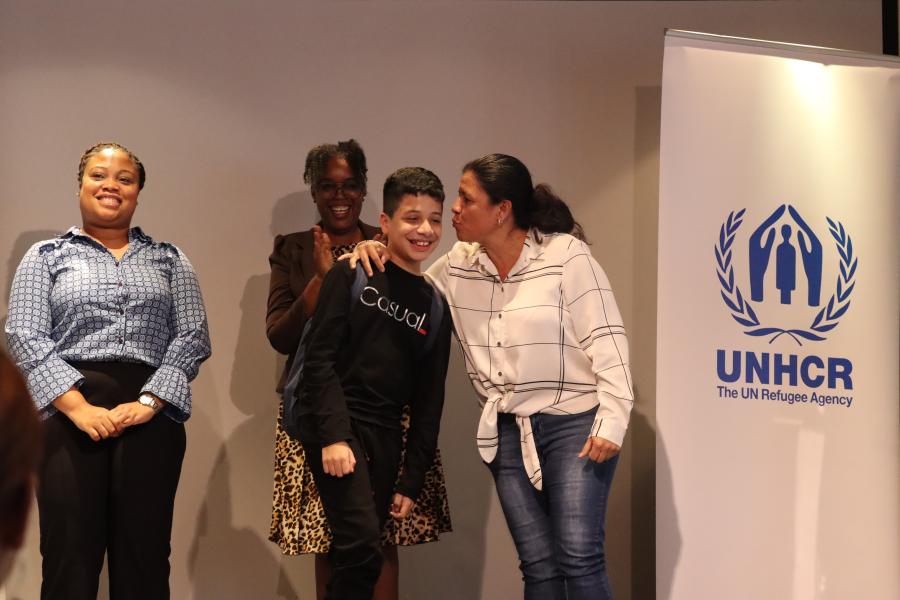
pixel 368 361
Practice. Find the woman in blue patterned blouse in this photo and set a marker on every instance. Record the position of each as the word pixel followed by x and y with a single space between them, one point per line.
pixel 108 327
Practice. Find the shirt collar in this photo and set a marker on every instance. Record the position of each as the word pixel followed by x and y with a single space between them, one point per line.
pixel 531 251
pixel 135 234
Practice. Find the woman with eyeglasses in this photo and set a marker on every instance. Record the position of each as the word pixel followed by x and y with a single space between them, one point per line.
pixel 336 175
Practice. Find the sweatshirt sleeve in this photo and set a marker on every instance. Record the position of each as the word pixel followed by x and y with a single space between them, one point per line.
pixel 322 403
pixel 426 407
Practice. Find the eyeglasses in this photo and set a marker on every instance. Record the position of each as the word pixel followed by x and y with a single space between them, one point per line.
pixel 329 189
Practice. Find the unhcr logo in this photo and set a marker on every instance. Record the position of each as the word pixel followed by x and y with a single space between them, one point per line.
pixel 784 264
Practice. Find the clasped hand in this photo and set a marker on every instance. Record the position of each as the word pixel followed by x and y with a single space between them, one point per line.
pixel 98 422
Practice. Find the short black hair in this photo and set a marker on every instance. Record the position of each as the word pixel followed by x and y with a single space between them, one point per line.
pixel 410 180
pixel 317 161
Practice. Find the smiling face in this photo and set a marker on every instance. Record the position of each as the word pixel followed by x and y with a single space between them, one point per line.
pixel 414 230
pixel 474 215
pixel 109 190
pixel 339 197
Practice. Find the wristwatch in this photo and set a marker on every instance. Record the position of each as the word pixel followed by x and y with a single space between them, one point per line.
pixel 150 401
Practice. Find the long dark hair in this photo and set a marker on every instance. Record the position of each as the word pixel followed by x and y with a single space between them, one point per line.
pixel 505 177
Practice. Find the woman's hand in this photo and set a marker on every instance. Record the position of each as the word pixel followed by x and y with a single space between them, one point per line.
pixel 599 449
pixel 338 459
pixel 95 421
pixel 401 505
pixel 132 413
pixel 322 252
pixel 368 252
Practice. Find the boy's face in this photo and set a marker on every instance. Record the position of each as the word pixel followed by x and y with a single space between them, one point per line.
pixel 413 232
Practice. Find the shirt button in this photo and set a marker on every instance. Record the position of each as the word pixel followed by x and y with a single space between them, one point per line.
pixel 499 373
pixel 120 284
pixel 121 340
pixel 500 316
pixel 498 344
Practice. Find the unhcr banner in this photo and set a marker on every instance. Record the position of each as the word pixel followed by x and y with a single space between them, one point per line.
pixel 778 462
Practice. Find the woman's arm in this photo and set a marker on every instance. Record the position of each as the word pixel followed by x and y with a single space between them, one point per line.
pixel 287 314
pixel 28 331
pixel 598 327
pixel 189 343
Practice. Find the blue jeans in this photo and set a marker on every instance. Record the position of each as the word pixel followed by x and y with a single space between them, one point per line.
pixel 558 531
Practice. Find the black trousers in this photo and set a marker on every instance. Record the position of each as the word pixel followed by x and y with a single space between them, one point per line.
pixel 114 497
pixel 356 506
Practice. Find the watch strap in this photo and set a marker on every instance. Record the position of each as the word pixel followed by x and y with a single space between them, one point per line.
pixel 150 401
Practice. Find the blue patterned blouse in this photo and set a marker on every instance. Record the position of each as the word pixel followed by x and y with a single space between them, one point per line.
pixel 71 301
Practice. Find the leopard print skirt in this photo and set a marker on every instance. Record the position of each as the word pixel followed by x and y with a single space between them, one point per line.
pixel 298 519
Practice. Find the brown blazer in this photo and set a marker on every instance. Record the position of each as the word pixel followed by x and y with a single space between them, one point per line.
pixel 293 265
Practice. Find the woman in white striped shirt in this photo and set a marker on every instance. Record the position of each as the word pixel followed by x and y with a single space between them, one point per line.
pixel 546 351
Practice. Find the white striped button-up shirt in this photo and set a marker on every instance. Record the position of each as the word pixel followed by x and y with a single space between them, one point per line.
pixel 548 339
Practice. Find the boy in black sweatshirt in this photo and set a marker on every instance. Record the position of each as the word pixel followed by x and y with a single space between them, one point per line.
pixel 366 358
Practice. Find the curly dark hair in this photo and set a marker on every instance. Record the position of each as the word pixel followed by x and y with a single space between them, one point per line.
pixel 100 147
pixel 318 157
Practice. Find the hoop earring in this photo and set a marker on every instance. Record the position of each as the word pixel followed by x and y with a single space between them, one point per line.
pixel 499 221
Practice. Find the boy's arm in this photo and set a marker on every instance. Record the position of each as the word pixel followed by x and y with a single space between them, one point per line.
pixel 321 396
pixel 426 407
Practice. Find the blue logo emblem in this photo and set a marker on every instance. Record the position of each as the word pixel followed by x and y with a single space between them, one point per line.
pixel 773 246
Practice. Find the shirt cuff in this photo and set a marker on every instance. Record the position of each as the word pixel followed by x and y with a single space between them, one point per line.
pixel 608 428
pixel 333 428
pixel 171 384
pixel 50 381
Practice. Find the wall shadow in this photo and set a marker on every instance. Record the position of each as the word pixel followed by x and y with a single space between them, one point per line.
pixel 294 212
pixel 643 352
pixel 666 560
pixel 226 559
pixel 453 568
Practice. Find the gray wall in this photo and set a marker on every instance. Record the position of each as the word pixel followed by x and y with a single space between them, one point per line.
pixel 222 99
